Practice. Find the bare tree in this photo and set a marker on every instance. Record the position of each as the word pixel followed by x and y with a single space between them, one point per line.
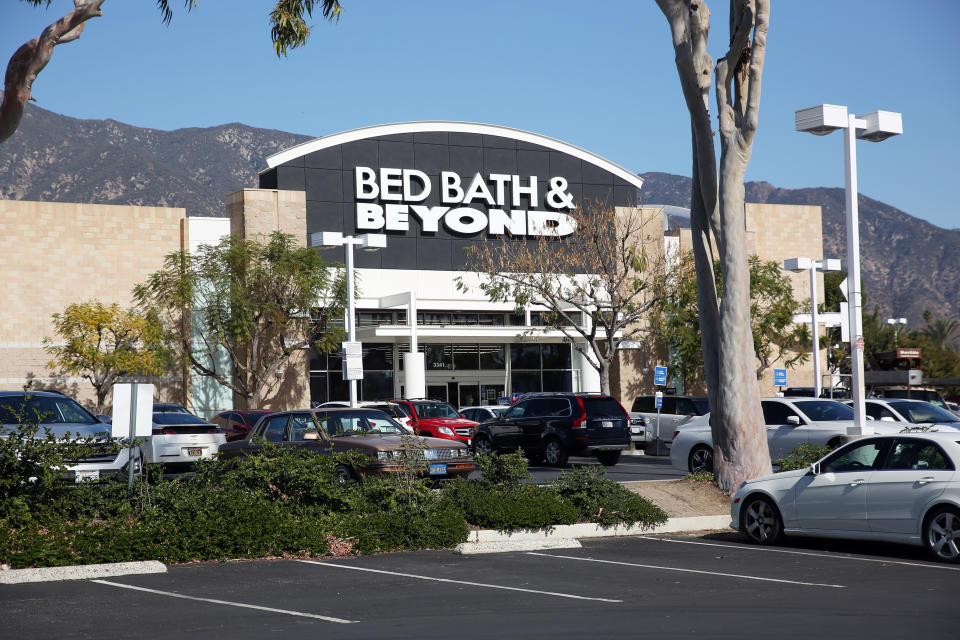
pixel 717 215
pixel 596 286
pixel 288 30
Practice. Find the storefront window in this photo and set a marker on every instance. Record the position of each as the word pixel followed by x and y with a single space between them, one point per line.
pixel 525 356
pixel 555 356
pixel 465 318
pixel 525 382
pixel 492 357
pixel 437 356
pixel 378 357
pixel 466 356
pixel 557 381
pixel 377 385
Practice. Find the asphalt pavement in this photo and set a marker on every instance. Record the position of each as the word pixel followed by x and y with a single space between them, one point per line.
pixel 658 587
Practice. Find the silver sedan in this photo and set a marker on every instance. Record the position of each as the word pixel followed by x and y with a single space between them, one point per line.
pixel 895 488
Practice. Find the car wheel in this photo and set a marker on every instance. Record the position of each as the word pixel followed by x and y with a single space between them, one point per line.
pixel 941 534
pixel 835 443
pixel 482 446
pixel 760 521
pixel 701 459
pixel 533 457
pixel 554 453
pixel 608 458
pixel 343 475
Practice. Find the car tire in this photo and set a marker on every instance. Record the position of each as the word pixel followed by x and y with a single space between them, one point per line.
pixel 760 521
pixel 608 458
pixel 343 475
pixel 533 457
pixel 482 446
pixel 700 459
pixel 554 453
pixel 836 443
pixel 941 534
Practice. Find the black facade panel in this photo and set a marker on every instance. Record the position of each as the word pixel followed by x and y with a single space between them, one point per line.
pixel 466 160
pixel 499 161
pixel 324 184
pixel 268 179
pixel 533 163
pixel 328 158
pixel 466 139
pixel 396 155
pixel 401 253
pixel 361 153
pixel 431 158
pixel 593 174
pixel 432 137
pixel 290 178
pixel 397 137
pixel 324 216
pixel 435 253
pixel 598 195
pixel 499 142
pixel 565 165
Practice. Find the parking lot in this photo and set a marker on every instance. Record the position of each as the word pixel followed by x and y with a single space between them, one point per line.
pixel 668 586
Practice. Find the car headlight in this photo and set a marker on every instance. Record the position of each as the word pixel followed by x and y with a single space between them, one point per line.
pixel 383 456
pixel 446 431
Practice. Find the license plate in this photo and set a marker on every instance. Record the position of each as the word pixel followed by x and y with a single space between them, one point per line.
pixel 438 469
pixel 195 452
pixel 83 476
pixel 430 454
pixel 607 424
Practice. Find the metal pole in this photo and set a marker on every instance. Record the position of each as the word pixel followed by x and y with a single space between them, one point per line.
pixel 351 321
pixel 857 393
pixel 134 388
pixel 813 329
pixel 656 450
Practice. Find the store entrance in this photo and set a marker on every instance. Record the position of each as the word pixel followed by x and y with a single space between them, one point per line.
pixel 466 393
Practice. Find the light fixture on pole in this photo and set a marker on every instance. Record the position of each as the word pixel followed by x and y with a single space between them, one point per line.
pixel 806 264
pixel 367 241
pixel 896 322
pixel 874 127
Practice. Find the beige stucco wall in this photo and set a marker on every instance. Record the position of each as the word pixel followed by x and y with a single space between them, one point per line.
pixel 774 232
pixel 53 254
pixel 255 214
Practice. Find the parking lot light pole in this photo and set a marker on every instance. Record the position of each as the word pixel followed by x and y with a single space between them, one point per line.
pixel 367 241
pixel 896 322
pixel 873 127
pixel 806 264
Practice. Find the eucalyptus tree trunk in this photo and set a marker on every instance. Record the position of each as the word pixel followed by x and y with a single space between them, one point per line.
pixel 717 208
pixel 32 57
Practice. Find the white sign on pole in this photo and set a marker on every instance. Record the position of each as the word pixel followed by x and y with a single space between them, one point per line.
pixel 120 425
pixel 844 322
pixel 352 366
pixel 843 288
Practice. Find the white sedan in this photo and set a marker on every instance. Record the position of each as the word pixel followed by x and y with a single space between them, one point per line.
pixel 895 488
pixel 916 412
pixel 181 438
pixel 790 422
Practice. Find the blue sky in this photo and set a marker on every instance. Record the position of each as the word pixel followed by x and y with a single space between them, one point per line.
pixel 599 75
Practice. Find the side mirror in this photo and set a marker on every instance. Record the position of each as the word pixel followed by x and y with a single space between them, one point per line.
pixel 887 419
pixel 794 420
pixel 815 468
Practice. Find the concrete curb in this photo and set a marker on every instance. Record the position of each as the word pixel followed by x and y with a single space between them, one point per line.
pixel 80 572
pixel 491 541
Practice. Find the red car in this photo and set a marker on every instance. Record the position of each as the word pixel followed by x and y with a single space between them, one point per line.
pixel 237 423
pixel 437 419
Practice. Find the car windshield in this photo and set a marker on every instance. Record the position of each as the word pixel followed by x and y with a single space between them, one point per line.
pixel 825 410
pixel 702 405
pixel 917 394
pixel 435 410
pixel 176 418
pixel 391 410
pixel 44 410
pixel 169 408
pixel 347 423
pixel 916 411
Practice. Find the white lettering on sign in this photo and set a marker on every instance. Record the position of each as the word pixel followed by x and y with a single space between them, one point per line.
pixel 503 193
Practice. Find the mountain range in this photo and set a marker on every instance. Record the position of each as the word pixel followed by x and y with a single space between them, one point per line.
pixel 908 264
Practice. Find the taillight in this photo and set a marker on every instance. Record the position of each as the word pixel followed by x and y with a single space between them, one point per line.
pixel 676 433
pixel 169 431
pixel 580 422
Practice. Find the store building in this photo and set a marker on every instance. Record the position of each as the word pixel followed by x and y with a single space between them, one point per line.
pixel 434 189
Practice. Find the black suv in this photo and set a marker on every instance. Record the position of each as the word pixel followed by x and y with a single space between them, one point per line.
pixel 557 425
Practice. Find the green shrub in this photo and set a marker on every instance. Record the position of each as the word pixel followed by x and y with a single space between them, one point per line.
pixel 509 507
pixel 801 457
pixel 503 469
pixel 598 499
pixel 701 476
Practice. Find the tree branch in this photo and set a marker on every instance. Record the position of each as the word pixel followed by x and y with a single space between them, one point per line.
pixel 30 59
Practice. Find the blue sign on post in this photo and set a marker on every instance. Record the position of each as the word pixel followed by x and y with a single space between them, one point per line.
pixel 658 401
pixel 779 377
pixel 660 376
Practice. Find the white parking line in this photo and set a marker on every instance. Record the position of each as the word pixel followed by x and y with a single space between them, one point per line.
pixel 709 573
pixel 473 584
pixel 832 556
pixel 231 604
